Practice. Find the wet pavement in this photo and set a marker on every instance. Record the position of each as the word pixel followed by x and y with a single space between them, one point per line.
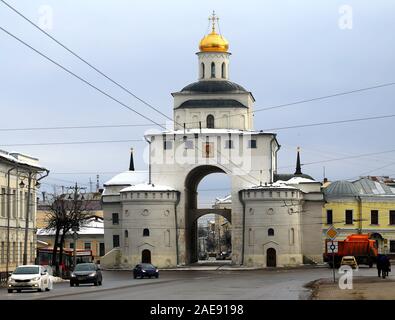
pixel 270 284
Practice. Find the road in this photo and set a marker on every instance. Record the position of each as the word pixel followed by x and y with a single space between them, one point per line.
pixel 265 284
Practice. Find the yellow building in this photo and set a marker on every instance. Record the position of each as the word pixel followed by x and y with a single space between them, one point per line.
pixel 90 237
pixel 223 227
pixel 362 206
pixel 18 208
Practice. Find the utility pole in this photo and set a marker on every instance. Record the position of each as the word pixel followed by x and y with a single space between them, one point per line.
pixel 76 191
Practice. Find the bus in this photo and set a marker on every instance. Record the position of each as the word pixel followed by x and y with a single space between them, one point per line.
pixel 44 258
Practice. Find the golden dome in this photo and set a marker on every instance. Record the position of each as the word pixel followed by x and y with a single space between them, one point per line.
pixel 213 42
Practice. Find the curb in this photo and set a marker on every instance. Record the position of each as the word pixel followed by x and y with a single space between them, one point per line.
pixel 226 268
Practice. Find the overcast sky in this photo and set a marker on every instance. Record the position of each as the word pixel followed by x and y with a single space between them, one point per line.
pixel 282 51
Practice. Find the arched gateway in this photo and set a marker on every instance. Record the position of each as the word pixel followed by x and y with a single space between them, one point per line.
pixel 213 133
pixel 193 213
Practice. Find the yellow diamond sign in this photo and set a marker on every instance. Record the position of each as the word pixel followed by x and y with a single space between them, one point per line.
pixel 331 233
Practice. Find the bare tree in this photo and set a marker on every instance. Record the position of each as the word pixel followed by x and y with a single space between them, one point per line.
pixel 64 214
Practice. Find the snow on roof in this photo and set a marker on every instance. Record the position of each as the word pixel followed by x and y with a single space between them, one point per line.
pixel 91 227
pixel 278 185
pixel 128 178
pixel 20 158
pixel 227 199
pixel 147 187
pixel 214 131
pixel 297 180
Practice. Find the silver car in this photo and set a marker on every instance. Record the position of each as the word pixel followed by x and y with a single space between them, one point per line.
pixel 32 277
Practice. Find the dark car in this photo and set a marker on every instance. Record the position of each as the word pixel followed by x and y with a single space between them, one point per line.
pixel 86 273
pixel 145 270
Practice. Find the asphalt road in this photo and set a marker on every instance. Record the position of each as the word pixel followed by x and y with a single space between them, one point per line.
pixel 195 285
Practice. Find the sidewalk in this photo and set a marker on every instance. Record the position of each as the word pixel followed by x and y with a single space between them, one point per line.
pixel 364 288
pixel 226 267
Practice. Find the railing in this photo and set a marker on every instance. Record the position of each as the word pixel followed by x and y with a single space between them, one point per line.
pixel 3 279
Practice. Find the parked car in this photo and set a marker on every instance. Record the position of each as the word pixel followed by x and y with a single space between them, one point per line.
pixel 349 261
pixel 86 273
pixel 145 270
pixel 32 277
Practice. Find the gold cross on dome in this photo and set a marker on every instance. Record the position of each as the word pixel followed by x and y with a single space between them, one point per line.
pixel 213 18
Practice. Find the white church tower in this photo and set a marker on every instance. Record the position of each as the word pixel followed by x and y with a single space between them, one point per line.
pixel 151 216
pixel 213 101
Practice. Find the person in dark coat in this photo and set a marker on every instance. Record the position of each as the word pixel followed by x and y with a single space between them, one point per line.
pixel 385 266
pixel 379 265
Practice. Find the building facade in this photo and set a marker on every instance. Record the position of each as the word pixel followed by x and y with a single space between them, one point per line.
pixel 90 236
pixel 18 208
pixel 152 215
pixel 363 206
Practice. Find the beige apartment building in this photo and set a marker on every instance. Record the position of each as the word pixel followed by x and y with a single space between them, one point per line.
pixel 18 208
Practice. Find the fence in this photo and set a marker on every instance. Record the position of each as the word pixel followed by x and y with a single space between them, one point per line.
pixel 3 279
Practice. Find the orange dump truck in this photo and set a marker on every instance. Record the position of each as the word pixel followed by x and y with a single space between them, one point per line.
pixel 360 246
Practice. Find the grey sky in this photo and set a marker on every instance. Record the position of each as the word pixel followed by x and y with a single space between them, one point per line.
pixel 282 51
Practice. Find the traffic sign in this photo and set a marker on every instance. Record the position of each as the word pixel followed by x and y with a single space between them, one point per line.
pixel 332 246
pixel 332 233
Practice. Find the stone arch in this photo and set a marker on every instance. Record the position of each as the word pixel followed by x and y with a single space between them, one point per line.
pixel 192 213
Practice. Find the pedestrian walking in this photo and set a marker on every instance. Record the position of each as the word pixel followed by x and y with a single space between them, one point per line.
pixel 379 265
pixel 386 266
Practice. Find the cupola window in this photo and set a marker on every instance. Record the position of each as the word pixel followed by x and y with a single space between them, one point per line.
pixel 223 70
pixel 210 121
pixel 202 70
pixel 212 70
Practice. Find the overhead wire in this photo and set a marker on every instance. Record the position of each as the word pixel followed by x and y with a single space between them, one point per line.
pixel 113 81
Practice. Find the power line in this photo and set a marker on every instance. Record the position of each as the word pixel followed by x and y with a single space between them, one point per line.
pixel 312 99
pixel 80 78
pixel 349 157
pixel 79 127
pixel 85 61
pixel 69 143
pixel 373 170
pixel 111 97
pixel 333 122
pixel 147 125
pixel 158 111
pixel 326 97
